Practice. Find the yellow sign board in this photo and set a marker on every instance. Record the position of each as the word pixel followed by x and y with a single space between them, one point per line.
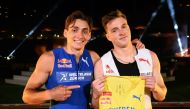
pixel 123 92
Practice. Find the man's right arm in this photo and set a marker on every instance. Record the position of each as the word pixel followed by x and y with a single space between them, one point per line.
pixel 38 79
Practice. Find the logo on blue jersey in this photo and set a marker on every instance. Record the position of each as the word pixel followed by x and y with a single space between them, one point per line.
pixel 64 63
pixel 85 61
pixel 73 76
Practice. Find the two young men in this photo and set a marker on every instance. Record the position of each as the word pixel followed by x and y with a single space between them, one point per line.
pixel 67 72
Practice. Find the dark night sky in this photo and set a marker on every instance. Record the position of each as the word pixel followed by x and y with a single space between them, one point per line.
pixel 137 11
pixel 19 17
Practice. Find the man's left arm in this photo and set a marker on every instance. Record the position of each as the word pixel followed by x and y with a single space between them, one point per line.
pixel 159 89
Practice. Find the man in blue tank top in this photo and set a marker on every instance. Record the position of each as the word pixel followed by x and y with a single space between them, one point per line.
pixel 67 72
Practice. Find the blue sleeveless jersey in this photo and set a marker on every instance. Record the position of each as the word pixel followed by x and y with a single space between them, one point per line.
pixel 68 72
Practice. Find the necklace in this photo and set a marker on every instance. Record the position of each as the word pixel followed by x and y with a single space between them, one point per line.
pixel 127 60
pixel 130 60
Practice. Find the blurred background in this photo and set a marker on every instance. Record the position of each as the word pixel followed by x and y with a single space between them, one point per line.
pixel 30 27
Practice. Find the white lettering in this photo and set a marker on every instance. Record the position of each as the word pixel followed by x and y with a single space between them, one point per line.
pixel 72 74
pixel 80 78
pixel 73 78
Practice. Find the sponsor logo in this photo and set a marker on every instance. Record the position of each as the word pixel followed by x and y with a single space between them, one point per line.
pixel 64 61
pixel 64 65
pixel 137 97
pixel 107 93
pixel 85 61
pixel 144 60
pixel 63 76
pixel 109 70
pixel 73 76
pixel 146 74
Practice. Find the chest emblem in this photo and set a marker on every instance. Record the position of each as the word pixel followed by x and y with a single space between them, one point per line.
pixel 64 63
pixel 109 70
pixel 144 60
pixel 85 61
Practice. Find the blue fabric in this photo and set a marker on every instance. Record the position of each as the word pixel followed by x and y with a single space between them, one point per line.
pixel 67 72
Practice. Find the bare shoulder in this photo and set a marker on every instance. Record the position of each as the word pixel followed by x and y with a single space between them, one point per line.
pixel 153 54
pixel 94 55
pixel 46 57
pixel 45 61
